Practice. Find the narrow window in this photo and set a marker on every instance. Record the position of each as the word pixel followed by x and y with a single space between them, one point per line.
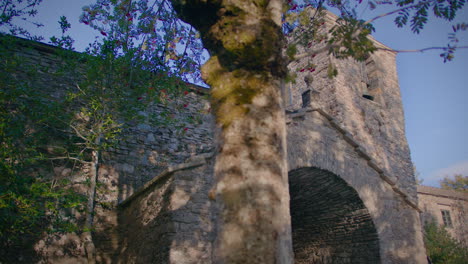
pixel 306 99
pixel 369 81
pixel 446 218
pixel 364 85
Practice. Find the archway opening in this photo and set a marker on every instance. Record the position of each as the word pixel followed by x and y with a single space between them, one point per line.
pixel 330 223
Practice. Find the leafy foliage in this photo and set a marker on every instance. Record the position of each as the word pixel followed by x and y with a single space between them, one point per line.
pixel 441 247
pixel 348 38
pixel 30 196
pixel 150 31
pixel 353 39
pixel 24 9
pixel 65 41
pixel 457 183
pixel 418 13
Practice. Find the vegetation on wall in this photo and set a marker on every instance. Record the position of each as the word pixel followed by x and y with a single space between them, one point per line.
pixel 457 183
pixel 441 247
pixel 50 138
pixel 30 196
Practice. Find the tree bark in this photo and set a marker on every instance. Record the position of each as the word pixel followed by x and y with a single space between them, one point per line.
pixel 87 235
pixel 245 73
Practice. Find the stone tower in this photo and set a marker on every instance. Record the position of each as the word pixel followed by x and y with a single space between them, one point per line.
pixel 352 186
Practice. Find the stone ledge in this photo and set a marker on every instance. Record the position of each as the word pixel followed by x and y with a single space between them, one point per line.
pixel 413 203
pixel 192 162
pixel 336 126
pixel 295 115
pixel 400 192
pixel 392 180
pixel 376 167
pixel 362 152
pixel 349 138
pixel 323 113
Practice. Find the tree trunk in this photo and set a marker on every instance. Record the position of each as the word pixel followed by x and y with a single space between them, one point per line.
pixel 87 235
pixel 245 74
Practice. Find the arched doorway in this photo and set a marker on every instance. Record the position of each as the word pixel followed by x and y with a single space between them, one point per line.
pixel 330 223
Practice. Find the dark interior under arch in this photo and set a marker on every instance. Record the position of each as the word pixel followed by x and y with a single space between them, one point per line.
pixel 330 223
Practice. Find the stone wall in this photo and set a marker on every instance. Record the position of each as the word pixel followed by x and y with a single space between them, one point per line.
pixel 147 147
pixel 433 201
pixel 315 140
pixel 171 219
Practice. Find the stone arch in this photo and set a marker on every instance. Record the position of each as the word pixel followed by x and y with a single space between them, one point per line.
pixel 330 223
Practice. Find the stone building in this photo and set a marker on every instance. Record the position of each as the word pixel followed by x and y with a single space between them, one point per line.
pixel 352 188
pixel 446 208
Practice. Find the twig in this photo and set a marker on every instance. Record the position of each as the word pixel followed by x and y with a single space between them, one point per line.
pixel 421 50
pixel 394 11
pixel 77 86
pixel 70 158
pixel 78 133
pixel 329 46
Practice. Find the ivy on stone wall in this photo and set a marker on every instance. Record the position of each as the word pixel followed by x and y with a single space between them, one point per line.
pixel 30 193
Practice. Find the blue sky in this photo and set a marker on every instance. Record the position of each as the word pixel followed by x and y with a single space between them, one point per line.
pixel 435 94
pixel 435 97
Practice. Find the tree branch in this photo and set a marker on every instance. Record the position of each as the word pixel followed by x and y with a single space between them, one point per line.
pixel 421 50
pixel 78 133
pixel 395 11
pixel 329 46
pixel 70 158
pixel 5 7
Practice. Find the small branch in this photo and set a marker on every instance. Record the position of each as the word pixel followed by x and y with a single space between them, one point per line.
pixel 83 150
pixel 70 158
pixel 77 86
pixel 327 47
pixel 394 11
pixel 78 133
pixel 421 50
pixel 185 49
pixel 5 7
pixel 318 9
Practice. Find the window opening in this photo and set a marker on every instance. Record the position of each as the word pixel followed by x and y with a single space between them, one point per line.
pixel 446 218
pixel 306 99
pixel 369 79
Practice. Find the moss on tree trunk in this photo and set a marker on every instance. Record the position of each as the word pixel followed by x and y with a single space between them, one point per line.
pixel 245 73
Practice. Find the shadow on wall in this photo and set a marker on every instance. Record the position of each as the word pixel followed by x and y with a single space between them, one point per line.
pixel 145 227
pixel 171 221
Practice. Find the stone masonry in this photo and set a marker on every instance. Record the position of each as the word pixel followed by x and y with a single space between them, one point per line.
pixel 352 127
pixel 352 188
